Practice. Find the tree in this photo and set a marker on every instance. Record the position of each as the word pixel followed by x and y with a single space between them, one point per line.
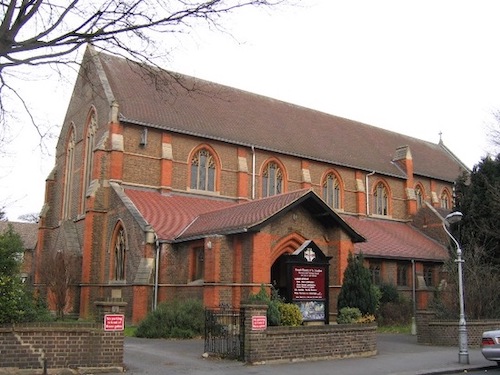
pixel 35 33
pixel 478 198
pixel 357 287
pixel 60 274
pixel 16 304
pixel 30 218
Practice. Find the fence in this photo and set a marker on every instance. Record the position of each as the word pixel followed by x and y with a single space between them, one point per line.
pixel 224 332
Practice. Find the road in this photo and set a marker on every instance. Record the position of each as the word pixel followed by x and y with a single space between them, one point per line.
pixel 397 354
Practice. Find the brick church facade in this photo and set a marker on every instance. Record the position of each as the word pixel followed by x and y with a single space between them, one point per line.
pixel 166 186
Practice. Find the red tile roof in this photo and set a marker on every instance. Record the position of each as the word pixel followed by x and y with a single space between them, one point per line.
pixel 397 240
pixel 252 215
pixel 178 218
pixel 192 106
pixel 170 214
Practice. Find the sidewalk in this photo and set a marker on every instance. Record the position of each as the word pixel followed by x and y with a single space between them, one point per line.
pixel 397 355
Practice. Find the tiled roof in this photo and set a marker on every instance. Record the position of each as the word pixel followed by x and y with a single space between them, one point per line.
pixel 27 231
pixel 170 214
pixel 218 112
pixel 177 218
pixel 397 240
pixel 252 215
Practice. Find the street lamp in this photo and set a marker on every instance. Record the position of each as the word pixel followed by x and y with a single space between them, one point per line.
pixel 463 354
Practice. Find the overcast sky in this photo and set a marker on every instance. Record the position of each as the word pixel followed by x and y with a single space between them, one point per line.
pixel 420 68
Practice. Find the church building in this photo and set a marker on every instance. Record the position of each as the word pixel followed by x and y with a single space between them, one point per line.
pixel 166 186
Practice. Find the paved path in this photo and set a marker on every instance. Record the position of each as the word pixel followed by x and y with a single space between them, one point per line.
pixel 397 355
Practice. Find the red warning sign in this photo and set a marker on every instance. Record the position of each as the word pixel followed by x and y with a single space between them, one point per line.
pixel 114 322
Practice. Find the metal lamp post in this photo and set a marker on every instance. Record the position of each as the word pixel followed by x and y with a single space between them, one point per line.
pixel 463 353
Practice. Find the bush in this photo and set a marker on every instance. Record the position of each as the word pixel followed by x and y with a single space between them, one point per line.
pixel 176 319
pixel 290 314
pixel 395 313
pixel 365 319
pixel 357 287
pixel 273 301
pixel 389 293
pixel 349 315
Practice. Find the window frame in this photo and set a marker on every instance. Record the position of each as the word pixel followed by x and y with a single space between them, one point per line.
pixel 381 201
pixel 68 173
pixel 88 166
pixel 203 169
pixel 332 192
pixel 275 184
pixel 402 270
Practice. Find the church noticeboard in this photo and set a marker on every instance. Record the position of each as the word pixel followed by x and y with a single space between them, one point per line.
pixel 308 274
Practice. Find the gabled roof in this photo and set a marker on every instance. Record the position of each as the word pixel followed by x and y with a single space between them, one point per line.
pixel 397 240
pixel 27 231
pixel 178 218
pixel 169 215
pixel 251 216
pixel 192 106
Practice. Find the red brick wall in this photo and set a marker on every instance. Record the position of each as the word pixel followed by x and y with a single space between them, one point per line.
pixel 432 331
pixel 25 346
pixel 277 344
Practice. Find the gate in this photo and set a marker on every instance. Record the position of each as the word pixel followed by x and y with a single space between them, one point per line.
pixel 224 332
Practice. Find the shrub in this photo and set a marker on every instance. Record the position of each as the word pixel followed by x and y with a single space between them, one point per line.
pixel 357 287
pixel 272 301
pixel 349 315
pixel 395 313
pixel 365 319
pixel 389 293
pixel 175 319
pixel 290 314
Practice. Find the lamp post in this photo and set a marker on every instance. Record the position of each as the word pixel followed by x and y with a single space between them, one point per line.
pixel 463 353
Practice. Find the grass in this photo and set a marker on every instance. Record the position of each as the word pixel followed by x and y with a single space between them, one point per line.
pixel 406 329
pixel 129 331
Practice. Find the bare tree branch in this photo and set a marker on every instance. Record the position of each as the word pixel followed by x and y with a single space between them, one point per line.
pixel 49 32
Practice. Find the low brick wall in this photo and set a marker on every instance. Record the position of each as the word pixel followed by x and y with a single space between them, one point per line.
pixel 432 331
pixel 279 344
pixel 56 345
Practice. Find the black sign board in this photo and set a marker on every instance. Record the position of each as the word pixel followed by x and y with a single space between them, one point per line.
pixel 307 271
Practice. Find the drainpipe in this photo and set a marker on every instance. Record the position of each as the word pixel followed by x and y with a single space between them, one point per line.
pixel 253 172
pixel 413 322
pixel 157 272
pixel 367 194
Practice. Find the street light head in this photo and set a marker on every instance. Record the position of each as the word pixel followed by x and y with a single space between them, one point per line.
pixel 453 217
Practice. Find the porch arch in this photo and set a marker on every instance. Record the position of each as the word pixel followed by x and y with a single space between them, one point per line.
pixel 287 245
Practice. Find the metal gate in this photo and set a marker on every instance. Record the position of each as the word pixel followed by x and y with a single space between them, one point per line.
pixel 224 332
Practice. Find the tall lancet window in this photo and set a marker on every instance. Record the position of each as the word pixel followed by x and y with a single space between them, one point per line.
pixel 68 175
pixel 272 180
pixel 203 171
pixel 119 255
pixel 88 161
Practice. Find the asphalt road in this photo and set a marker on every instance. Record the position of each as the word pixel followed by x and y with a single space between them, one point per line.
pixel 397 354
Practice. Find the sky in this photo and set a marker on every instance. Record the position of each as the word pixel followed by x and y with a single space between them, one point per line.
pixel 427 69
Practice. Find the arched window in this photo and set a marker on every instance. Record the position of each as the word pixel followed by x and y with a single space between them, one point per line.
pixel 203 170
pixel 68 174
pixel 331 190
pixel 89 157
pixel 445 200
pixel 272 180
pixel 419 196
pixel 381 200
pixel 119 253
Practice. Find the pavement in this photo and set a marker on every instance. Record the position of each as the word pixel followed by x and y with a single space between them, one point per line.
pixel 397 354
